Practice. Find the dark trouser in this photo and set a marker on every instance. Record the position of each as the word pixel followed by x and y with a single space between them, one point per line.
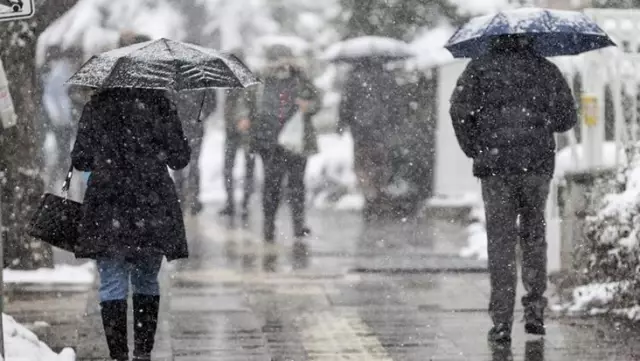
pixel 232 144
pixel 372 169
pixel 506 199
pixel 279 163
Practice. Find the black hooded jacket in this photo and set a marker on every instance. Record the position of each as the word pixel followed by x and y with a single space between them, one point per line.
pixel 506 108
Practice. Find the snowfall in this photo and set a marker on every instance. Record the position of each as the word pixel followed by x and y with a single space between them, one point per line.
pixel 20 343
pixel 330 170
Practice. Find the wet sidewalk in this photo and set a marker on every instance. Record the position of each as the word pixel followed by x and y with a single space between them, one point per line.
pixel 392 291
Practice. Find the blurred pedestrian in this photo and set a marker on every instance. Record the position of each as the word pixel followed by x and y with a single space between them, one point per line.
pixel 57 107
pixel 367 109
pixel 286 90
pixel 132 218
pixel 239 113
pixel 197 105
pixel 506 107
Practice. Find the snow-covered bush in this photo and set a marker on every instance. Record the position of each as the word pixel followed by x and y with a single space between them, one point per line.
pixel 610 253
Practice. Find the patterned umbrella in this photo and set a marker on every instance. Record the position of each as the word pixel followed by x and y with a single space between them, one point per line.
pixel 163 64
pixel 552 32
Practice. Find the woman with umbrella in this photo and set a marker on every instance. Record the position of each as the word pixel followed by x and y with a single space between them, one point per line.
pixel 506 108
pixel 128 134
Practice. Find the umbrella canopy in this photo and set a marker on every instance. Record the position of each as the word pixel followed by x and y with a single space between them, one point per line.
pixel 552 32
pixel 368 47
pixel 163 64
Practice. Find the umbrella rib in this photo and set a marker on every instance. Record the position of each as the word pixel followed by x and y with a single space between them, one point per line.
pixel 549 20
pixel 113 68
pixel 499 15
pixel 173 55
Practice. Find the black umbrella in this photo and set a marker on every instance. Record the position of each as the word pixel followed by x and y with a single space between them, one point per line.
pixel 164 64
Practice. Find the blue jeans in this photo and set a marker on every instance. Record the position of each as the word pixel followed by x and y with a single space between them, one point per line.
pixel 115 274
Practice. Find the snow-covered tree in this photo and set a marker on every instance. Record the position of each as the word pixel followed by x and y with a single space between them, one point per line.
pixel 396 18
pixel 610 252
pixel 21 184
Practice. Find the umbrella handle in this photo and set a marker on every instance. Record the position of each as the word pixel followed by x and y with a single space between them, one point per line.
pixel 204 94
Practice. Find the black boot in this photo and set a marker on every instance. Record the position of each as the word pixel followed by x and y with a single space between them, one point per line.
pixel 145 317
pixel 114 321
pixel 302 232
pixel 229 210
pixel 500 333
pixel 534 321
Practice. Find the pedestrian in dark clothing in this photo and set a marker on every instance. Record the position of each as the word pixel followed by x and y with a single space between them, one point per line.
pixel 132 217
pixel 239 112
pixel 367 108
pixel 505 109
pixel 192 104
pixel 286 89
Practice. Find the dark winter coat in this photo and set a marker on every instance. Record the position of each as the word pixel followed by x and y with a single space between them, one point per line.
pixel 276 101
pixel 505 110
pixel 126 139
pixel 368 104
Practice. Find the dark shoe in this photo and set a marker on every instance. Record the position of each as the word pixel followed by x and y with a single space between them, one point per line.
pixel 534 321
pixel 145 317
pixel 304 232
pixel 229 211
pixel 114 321
pixel 500 333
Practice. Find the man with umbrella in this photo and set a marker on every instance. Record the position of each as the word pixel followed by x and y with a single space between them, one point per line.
pixel 505 109
pixel 239 111
pixel 369 107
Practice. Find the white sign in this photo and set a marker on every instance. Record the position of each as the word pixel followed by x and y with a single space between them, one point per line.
pixel 16 9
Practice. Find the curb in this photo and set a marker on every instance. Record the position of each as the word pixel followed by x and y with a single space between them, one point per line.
pixel 392 271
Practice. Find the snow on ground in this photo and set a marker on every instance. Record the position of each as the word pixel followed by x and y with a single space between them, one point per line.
pixel 594 299
pixel 23 345
pixel 61 274
pixel 458 200
pixel 476 242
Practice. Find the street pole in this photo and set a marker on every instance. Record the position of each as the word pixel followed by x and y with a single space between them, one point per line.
pixel 1 285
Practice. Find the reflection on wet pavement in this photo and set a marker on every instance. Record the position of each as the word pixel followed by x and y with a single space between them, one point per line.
pixel 392 292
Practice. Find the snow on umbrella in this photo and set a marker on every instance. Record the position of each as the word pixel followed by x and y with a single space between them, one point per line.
pixel 366 47
pixel 297 44
pixel 553 32
pixel 163 64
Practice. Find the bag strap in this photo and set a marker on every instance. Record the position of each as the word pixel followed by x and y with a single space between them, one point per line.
pixel 67 181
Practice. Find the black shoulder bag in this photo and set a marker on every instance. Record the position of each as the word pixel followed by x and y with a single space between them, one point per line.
pixel 57 218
